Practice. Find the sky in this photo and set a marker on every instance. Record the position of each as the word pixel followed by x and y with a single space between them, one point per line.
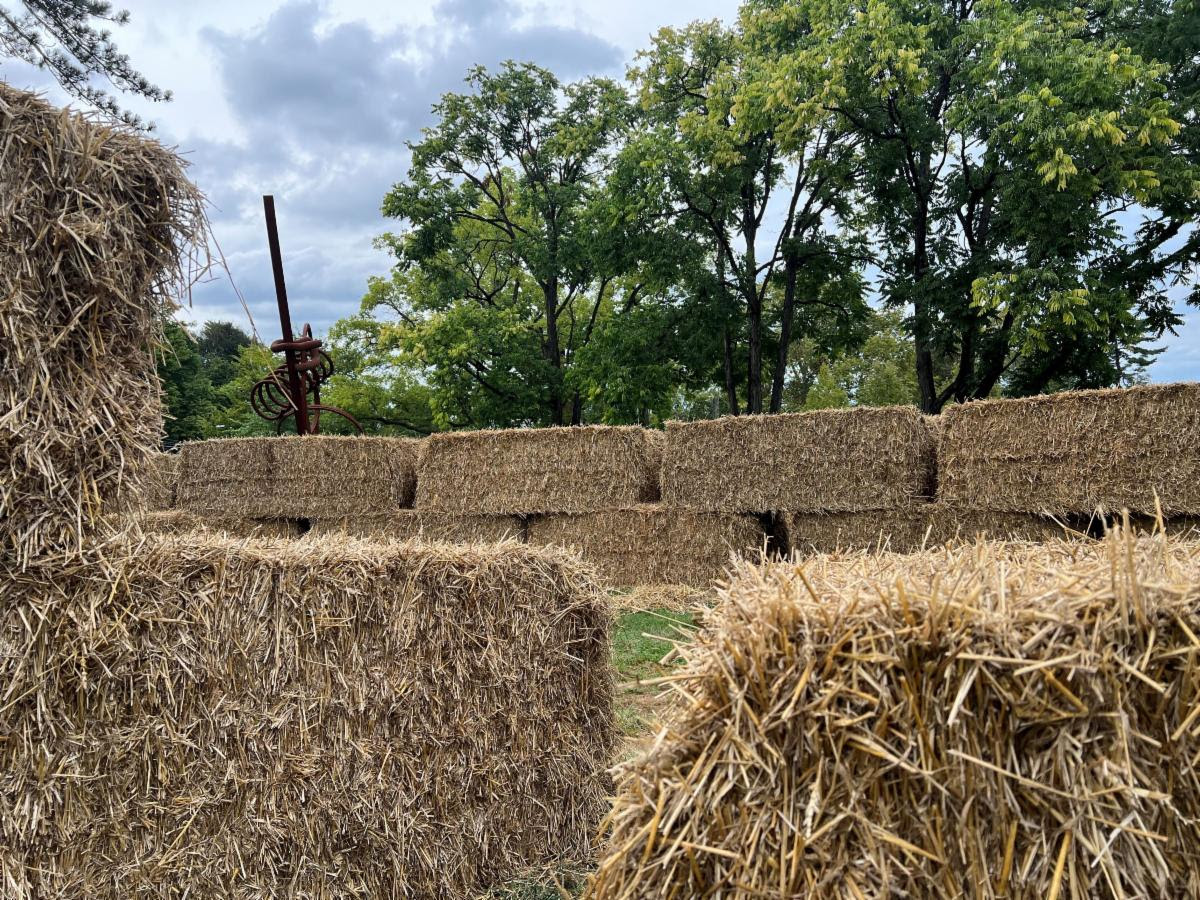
pixel 313 102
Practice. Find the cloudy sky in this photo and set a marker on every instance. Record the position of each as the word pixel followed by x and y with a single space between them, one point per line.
pixel 313 101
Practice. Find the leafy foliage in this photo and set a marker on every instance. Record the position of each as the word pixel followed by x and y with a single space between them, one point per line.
pixel 67 39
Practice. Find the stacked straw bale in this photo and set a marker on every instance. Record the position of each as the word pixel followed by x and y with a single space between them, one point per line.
pixel 988 721
pixel 652 544
pixel 97 230
pixel 909 528
pixel 162 481
pixel 300 719
pixel 1076 452
pixel 841 460
pixel 177 521
pixel 297 477
pixel 542 470
pixel 420 523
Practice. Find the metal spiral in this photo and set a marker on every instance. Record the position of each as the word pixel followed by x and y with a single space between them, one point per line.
pixel 271 397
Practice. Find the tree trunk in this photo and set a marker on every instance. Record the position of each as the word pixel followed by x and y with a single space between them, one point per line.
pixel 791 272
pixel 753 298
pixel 922 338
pixel 730 385
pixel 553 354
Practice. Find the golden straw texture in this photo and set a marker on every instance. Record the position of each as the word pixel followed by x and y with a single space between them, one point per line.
pixel 177 521
pixel 99 233
pixel 431 526
pixel 841 460
pixel 535 470
pixel 652 544
pixel 204 717
pixel 297 477
pixel 988 721
pixel 1076 451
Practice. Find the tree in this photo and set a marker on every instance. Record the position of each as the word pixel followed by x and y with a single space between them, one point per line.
pixel 66 38
pixel 188 398
pixel 880 371
pixel 501 276
pixel 708 161
pixel 219 344
pixel 1002 143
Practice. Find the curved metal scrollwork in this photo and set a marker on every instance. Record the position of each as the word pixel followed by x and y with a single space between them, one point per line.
pixel 271 397
pixel 285 393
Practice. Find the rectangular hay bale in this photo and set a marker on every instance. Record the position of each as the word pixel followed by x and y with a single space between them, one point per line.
pixel 538 470
pixel 207 717
pixel 652 544
pixel 1076 452
pixel 433 526
pixel 839 460
pixel 178 521
pixel 991 721
pixel 297 477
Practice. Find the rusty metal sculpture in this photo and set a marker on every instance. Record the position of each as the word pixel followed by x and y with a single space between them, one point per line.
pixel 286 392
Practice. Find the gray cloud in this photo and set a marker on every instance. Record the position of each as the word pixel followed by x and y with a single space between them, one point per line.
pixel 324 112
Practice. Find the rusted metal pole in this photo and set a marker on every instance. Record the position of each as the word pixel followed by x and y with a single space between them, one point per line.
pixel 299 393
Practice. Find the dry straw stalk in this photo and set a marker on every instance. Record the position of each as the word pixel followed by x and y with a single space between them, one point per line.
pixel 177 521
pixel 538 470
pixel 431 526
pixel 205 717
pixel 842 460
pixel 99 233
pixel 297 477
pixel 987 721
pixel 652 544
pixel 1074 452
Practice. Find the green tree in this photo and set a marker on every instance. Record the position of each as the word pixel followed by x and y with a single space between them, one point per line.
pixel 1002 144
pixel 219 344
pixel 503 272
pixel 67 38
pixel 879 371
pixel 188 397
pixel 708 162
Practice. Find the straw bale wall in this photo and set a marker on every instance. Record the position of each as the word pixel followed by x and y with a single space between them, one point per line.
pixel 207 717
pixel 524 471
pixel 985 721
pixel 413 523
pixel 1075 452
pixel 178 521
pixel 297 477
pixel 97 226
pixel 162 481
pixel 842 460
pixel 652 544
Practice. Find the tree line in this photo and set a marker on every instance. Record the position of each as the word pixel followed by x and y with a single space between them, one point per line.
pixel 822 203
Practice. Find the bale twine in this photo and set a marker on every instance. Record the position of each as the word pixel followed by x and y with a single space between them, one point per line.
pixel 993 720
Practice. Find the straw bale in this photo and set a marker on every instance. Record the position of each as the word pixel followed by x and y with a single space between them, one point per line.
pixel 297 477
pixel 200 716
pixel 539 470
pixel 99 232
pixel 840 460
pixel 988 720
pixel 178 521
pixel 434 526
pixel 1077 451
pixel 162 481
pixel 673 597
pixel 652 544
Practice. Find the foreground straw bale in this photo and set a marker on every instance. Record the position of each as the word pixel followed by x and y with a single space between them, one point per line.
pixel 431 526
pixel 841 460
pixel 652 544
pixel 297 477
pixel 536 470
pixel 97 229
pixel 988 721
pixel 212 718
pixel 1075 452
